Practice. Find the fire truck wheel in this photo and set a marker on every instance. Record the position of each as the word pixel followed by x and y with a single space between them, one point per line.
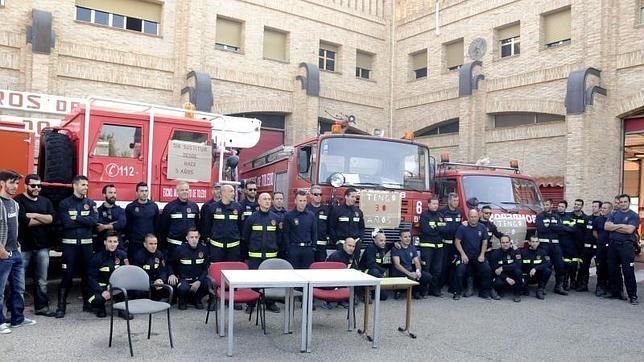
pixel 58 158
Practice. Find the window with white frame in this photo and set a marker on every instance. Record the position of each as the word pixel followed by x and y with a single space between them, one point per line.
pixel 228 34
pixel 328 57
pixel 556 28
pixel 509 40
pixel 135 15
pixel 364 64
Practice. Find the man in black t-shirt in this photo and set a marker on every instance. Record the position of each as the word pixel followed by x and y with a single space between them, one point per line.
pixel 35 215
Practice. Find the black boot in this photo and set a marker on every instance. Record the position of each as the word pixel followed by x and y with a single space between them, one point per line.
pixel 582 283
pixel 558 287
pixel 539 294
pixel 469 288
pixel 62 303
pixel 565 285
pixel 600 291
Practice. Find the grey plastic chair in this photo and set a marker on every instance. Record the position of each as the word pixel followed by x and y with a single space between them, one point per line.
pixel 134 278
pixel 276 294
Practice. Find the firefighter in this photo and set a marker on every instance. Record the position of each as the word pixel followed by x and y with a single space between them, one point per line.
pixel 321 213
pixel 470 241
pixel 221 223
pixel 347 221
pixel 452 216
pixel 601 260
pixel 152 260
pixel 431 245
pixel 300 233
pixel 248 207
pixel 99 271
pixel 189 271
pixel 586 242
pixel 567 232
pixel 492 230
pixel 407 264
pixel 505 263
pixel 548 226
pixel 278 205
pixel 142 217
pixel 204 230
pixel 623 226
pixel 78 215
pixel 346 256
pixel 262 231
pixel 111 217
pixel 535 264
pixel 177 218
pixel 372 260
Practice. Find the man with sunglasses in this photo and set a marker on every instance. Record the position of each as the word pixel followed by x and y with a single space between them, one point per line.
pixel 321 212
pixel 248 206
pixel 492 230
pixel 35 216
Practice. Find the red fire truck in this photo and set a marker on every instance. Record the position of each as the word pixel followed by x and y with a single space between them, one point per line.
pixel 124 142
pixel 395 178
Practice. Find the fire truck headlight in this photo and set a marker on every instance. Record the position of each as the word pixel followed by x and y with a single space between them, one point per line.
pixel 336 179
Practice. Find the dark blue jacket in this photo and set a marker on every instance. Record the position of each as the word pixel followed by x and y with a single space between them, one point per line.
pixel 142 219
pixel 221 222
pixel 153 263
pixel 509 260
pixel 548 225
pixel 341 256
pixel 537 259
pixel 322 216
pixel 471 238
pixel 372 259
pixel 567 230
pixel 452 219
pixel 177 217
pixel 431 226
pixel 346 221
pixel 261 231
pixel 300 227
pixel 78 216
pixel 189 263
pixel 108 215
pixel 101 266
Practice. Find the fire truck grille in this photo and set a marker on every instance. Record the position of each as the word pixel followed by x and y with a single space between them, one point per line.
pixel 393 235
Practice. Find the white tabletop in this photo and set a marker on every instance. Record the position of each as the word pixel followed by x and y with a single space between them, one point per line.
pixel 264 278
pixel 339 277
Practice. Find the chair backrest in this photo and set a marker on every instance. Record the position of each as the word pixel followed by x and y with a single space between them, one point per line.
pixel 328 265
pixel 214 270
pixel 275 264
pixel 130 277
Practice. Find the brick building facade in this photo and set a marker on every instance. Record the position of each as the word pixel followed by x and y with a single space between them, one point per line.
pixel 393 64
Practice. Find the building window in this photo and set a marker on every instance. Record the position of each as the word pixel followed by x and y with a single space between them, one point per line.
pixel 641 12
pixel 556 28
pixel 364 64
pixel 454 55
pixel 418 62
pixel 447 127
pixel 328 57
pixel 228 35
pixel 136 15
pixel 509 39
pixel 513 119
pixel 275 44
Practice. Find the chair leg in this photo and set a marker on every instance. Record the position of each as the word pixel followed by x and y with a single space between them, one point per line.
pixel 170 330
pixel 208 310
pixel 257 315
pixel 111 323
pixel 149 325
pixel 129 333
pixel 217 314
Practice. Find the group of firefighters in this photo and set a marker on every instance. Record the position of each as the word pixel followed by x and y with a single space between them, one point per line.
pixel 176 246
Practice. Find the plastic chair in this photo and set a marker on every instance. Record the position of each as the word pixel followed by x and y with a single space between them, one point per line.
pixel 276 294
pixel 131 277
pixel 242 295
pixel 333 295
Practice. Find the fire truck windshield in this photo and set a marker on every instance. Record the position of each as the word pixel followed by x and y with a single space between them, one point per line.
pixel 375 163
pixel 503 192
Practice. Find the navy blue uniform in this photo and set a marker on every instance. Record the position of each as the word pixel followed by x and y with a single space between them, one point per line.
pixel 472 238
pixel 620 252
pixel 321 214
pixel 204 230
pixel 247 209
pixel 262 231
pixel 587 247
pixel 510 263
pixel 492 230
pixel 548 227
pixel 189 265
pixel 341 256
pixel 142 219
pixel 540 261
pixel 79 217
pixel 453 219
pixel 300 234
pixel 601 260
pixel 406 258
pixel 175 220
pixel 372 263
pixel 220 227
pixel 155 266
pixel 108 215
pixel 99 270
pixel 432 246
pixel 346 221
pixel 567 240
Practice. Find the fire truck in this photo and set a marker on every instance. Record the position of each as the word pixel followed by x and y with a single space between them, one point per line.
pixel 124 142
pixel 395 178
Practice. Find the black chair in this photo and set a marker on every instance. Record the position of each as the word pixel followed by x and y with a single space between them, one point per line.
pixel 130 277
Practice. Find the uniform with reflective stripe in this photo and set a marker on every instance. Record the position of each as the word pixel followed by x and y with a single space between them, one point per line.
pixel 261 231
pixel 175 220
pixel 189 263
pixel 346 221
pixel 101 266
pixel 548 224
pixel 431 226
pixel 78 217
pixel 221 224
pixel 321 214
pixel 371 261
pixel 153 263
pixel 452 219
